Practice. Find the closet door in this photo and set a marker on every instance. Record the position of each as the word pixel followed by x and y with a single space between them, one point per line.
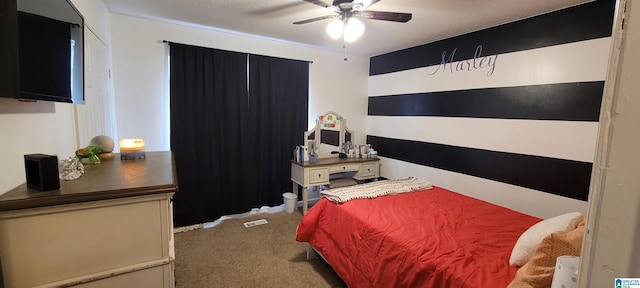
pixel 97 115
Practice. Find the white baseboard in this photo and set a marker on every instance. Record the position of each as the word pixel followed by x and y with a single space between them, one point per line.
pixel 254 211
pixel 187 228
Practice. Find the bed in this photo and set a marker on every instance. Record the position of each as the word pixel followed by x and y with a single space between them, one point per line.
pixel 427 237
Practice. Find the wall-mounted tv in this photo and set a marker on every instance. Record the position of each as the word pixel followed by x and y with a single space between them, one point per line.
pixel 41 50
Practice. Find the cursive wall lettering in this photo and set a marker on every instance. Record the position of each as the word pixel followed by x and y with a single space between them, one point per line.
pixel 477 62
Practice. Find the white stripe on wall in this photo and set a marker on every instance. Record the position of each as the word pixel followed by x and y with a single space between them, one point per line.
pixel 528 201
pixel 571 140
pixel 582 61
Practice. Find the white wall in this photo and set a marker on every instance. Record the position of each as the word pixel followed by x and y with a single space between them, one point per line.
pixel 41 127
pixel 139 63
pixel 96 17
pixel 28 128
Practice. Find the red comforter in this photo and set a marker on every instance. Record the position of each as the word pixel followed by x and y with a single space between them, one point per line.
pixel 428 238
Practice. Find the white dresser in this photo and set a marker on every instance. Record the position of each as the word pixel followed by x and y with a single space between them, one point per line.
pixel 112 227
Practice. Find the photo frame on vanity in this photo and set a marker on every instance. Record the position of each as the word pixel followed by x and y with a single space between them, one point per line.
pixel 311 144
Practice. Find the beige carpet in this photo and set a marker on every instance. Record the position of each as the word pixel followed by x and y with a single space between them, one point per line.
pixel 230 255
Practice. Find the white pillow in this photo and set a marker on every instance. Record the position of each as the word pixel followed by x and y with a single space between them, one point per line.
pixel 528 241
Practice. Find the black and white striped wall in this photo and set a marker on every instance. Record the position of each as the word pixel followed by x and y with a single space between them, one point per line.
pixel 507 114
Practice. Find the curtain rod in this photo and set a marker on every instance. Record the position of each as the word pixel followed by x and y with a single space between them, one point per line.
pixel 169 42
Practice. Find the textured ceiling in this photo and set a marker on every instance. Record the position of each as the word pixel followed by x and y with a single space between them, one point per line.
pixel 432 19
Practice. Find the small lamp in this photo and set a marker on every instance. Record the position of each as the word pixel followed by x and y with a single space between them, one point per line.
pixel 131 149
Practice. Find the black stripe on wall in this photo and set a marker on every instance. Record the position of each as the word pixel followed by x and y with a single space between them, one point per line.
pixel 583 22
pixel 565 101
pixel 557 176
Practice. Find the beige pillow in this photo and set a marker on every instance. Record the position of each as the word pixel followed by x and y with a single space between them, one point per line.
pixel 538 272
pixel 528 241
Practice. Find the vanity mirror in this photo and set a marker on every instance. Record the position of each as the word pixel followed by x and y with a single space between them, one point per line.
pixel 328 135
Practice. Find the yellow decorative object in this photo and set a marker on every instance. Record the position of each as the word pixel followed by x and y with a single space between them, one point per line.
pixel 89 152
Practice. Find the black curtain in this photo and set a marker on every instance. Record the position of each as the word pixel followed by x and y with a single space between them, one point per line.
pixel 208 106
pixel 278 101
pixel 232 142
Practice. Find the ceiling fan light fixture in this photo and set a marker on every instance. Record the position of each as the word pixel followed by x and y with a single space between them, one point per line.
pixel 334 29
pixel 353 30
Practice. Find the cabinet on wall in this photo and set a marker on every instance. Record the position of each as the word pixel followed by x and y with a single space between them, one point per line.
pixel 112 227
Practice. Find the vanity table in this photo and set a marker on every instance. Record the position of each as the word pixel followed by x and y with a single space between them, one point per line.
pixel 309 174
pixel 329 134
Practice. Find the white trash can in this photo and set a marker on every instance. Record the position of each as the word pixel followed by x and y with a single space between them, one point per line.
pixel 566 273
pixel 290 201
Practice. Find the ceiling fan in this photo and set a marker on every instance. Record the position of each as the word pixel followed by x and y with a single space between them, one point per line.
pixel 346 12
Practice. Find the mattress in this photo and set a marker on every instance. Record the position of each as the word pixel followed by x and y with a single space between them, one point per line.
pixel 427 238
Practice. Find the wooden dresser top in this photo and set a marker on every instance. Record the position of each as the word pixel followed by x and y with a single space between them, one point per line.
pixel 111 179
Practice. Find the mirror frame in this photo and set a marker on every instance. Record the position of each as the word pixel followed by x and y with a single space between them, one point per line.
pixel 329 127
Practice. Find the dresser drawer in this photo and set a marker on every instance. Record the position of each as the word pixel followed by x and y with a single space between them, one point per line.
pixel 91 237
pixel 318 175
pixel 344 168
pixel 367 171
pixel 155 277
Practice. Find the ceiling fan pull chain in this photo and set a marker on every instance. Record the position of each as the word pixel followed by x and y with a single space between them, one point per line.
pixel 344 50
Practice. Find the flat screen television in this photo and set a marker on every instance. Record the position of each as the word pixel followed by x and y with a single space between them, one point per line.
pixel 41 51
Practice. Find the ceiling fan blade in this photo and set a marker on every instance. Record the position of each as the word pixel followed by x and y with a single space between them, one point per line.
pixel 386 16
pixel 324 5
pixel 316 19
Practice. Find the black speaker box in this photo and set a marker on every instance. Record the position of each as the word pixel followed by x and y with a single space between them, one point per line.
pixel 42 171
